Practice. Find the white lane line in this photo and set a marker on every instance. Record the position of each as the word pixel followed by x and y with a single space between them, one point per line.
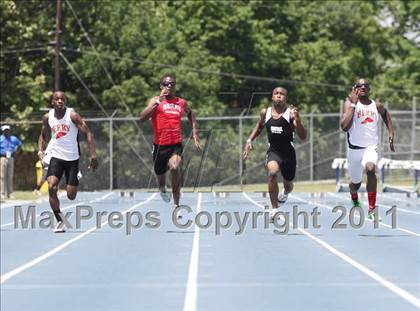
pixel 68 206
pixel 331 208
pixel 7 205
pixel 399 209
pixel 373 275
pixel 55 250
pixel 148 285
pixel 190 301
pixel 27 202
pixel 389 196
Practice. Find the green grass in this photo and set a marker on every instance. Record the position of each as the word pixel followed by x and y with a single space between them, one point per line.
pixel 299 187
pixel 26 195
pixel 316 186
pixel 303 186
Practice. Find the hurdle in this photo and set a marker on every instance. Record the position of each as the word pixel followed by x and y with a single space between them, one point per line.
pixel 129 194
pixel 340 165
pixel 384 164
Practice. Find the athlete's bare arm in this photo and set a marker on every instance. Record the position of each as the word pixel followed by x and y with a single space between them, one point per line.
pixel 43 136
pixel 255 133
pixel 82 126
pixel 147 113
pixel 388 122
pixel 348 111
pixel 297 123
pixel 194 125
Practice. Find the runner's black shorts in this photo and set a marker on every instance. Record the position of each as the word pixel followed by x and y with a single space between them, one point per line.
pixel 70 169
pixel 162 154
pixel 287 163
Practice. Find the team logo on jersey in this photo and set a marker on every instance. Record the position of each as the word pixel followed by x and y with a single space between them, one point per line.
pixel 366 113
pixel 60 130
pixel 276 129
pixel 60 134
pixel 367 120
pixel 171 108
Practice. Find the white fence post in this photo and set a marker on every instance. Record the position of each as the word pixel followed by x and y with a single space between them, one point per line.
pixel 111 151
pixel 241 147
pixel 311 146
pixel 413 127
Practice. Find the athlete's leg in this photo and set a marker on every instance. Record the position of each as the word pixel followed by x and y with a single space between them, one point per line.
pixel 288 171
pixel 160 164
pixel 354 186
pixel 369 160
pixel 273 188
pixel 174 167
pixel 371 177
pixel 165 195
pixel 71 170
pixel 371 185
pixel 288 186
pixel 71 192
pixel 355 171
pixel 54 174
pixel 161 180
pixel 53 198
pixel 353 193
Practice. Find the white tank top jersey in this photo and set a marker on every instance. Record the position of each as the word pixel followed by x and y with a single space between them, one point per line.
pixel 364 129
pixel 64 144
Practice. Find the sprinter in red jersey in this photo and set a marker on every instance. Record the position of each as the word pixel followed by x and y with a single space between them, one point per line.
pixel 166 111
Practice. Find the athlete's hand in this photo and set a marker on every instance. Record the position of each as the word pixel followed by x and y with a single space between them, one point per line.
pixel 247 149
pixel 93 163
pixel 294 113
pixel 156 101
pixel 391 141
pixel 354 95
pixel 41 155
pixel 163 93
pixel 197 142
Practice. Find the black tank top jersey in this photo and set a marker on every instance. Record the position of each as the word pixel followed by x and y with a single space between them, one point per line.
pixel 280 133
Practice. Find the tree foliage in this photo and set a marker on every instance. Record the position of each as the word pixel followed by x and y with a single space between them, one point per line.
pixel 120 49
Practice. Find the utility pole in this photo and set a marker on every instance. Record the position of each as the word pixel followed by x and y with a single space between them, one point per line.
pixel 57 84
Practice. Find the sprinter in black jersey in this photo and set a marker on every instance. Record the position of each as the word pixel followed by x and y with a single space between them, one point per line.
pixel 280 122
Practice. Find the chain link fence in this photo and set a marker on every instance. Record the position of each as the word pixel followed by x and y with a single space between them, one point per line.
pixel 124 149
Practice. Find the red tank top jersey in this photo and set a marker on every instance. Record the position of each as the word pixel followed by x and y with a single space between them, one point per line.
pixel 166 121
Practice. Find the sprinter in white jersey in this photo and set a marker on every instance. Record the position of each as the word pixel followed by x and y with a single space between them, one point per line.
pixel 65 125
pixel 360 120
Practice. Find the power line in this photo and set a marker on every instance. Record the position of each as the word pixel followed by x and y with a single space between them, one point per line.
pixel 189 68
pixel 340 87
pixel 98 56
pixel 86 35
pixel 83 84
pixel 22 50
pixel 249 77
pixel 95 99
pixel 220 73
